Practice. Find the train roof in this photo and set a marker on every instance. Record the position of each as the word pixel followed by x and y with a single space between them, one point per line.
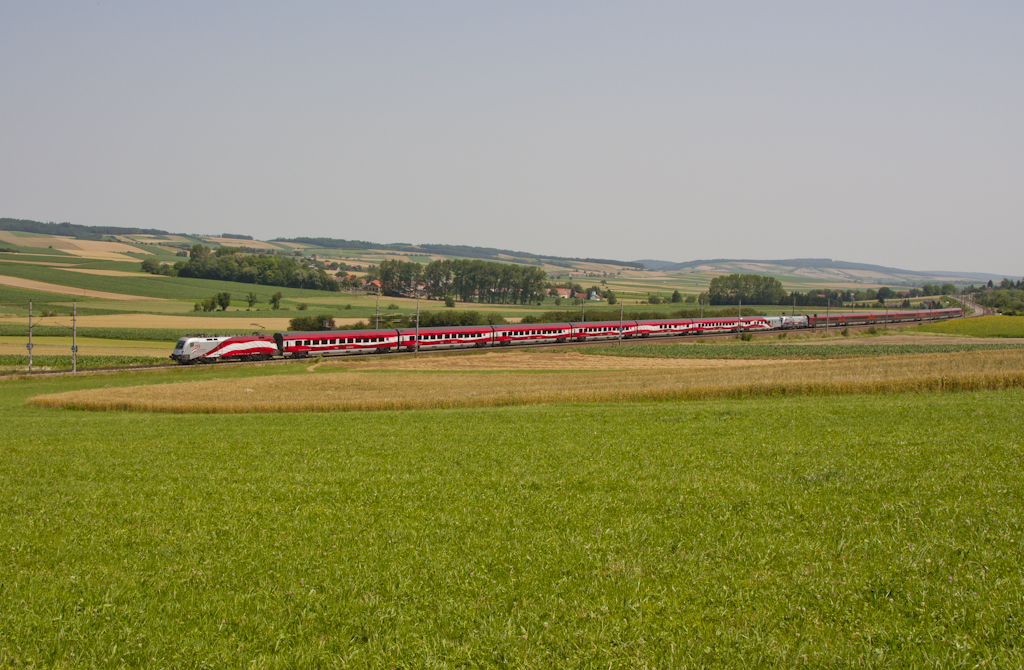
pixel 445 329
pixel 337 333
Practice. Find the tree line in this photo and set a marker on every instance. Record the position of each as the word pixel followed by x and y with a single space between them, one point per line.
pixel 1007 297
pixel 231 264
pixel 465 279
pixel 765 290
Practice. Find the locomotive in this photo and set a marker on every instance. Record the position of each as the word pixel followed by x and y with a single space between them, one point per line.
pixel 261 347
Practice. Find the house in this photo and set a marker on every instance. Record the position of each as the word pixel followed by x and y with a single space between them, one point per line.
pixel 563 292
pixel 374 286
pixel 594 296
pixel 579 294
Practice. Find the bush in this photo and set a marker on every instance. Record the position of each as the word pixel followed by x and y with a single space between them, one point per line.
pixel 746 337
pixel 303 306
pixel 312 323
pixel 275 300
pixel 449 301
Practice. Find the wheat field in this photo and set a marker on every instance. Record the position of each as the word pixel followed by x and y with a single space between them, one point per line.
pixel 364 391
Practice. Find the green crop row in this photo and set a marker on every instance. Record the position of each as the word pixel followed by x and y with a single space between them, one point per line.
pixel 146 334
pixel 83 362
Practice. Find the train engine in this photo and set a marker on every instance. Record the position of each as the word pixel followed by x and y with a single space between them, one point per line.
pixel 203 349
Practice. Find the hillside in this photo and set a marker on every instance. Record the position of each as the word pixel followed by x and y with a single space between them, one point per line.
pixel 818 268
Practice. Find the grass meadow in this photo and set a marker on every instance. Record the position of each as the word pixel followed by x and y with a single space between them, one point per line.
pixel 856 531
pixel 982 326
pixel 761 350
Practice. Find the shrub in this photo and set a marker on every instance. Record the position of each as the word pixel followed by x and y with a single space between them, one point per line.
pixel 449 301
pixel 303 306
pixel 310 323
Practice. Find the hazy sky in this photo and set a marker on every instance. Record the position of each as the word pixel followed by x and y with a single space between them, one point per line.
pixel 885 132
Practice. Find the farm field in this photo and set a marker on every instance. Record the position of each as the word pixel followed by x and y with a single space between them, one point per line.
pixel 982 326
pixel 869 531
pixel 61 346
pixel 660 379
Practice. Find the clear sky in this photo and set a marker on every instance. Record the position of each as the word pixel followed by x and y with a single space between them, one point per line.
pixel 877 132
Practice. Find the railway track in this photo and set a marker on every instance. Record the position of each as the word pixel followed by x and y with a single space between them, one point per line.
pixel 773 334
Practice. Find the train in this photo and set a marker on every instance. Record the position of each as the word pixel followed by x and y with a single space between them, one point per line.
pixel 262 347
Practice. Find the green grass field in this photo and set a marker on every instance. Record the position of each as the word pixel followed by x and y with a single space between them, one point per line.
pixel 982 326
pixel 838 532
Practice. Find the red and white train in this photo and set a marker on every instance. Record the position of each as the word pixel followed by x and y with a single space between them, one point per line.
pixel 259 347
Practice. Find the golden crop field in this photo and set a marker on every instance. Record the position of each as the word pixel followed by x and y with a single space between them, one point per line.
pixel 353 391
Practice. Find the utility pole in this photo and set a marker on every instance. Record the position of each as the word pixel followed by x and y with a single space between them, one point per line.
pixel 739 316
pixel 702 309
pixel 74 337
pixel 794 306
pixel 29 345
pixel 376 314
pixel 828 309
pixel 417 350
pixel 583 311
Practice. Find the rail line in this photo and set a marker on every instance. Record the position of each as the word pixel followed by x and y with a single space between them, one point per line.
pixel 773 334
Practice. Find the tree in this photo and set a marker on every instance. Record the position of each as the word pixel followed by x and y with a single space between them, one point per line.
pixel 275 300
pixel 751 289
pixel 676 296
pixel 199 252
pixel 224 300
pixel 691 298
pixel 210 304
pixel 885 293
pixel 611 297
pixel 948 289
pixel 252 299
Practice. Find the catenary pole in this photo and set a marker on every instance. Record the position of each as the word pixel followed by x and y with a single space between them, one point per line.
pixel 621 309
pixel 74 337
pixel 376 314
pixel 29 345
pixel 417 350
pixel 828 309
